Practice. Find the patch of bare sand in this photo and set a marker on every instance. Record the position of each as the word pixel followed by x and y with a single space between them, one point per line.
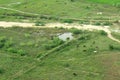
pixel 64 25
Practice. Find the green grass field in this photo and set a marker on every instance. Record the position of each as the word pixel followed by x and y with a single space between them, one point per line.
pixel 38 53
pixel 74 61
pixel 76 9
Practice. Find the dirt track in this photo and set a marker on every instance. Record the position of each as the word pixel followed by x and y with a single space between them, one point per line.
pixel 65 25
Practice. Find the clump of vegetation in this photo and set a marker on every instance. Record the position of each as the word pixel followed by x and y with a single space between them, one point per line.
pixel 81 22
pixel 116 5
pixel 84 37
pixel 55 42
pixel 11 50
pixel 6 43
pixel 15 50
pixel 38 23
pixel 97 23
pixel 21 52
pixel 2 70
pixel 76 31
pixel 103 33
pixel 112 47
pixel 2 41
pixel 27 35
pixel 107 23
pixel 68 21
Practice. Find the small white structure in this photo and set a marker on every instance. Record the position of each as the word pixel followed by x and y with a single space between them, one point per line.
pixel 66 36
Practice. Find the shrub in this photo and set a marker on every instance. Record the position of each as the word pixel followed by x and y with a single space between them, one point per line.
pixel 43 17
pixel 76 31
pixel 39 23
pixel 81 38
pixel 2 41
pixel 1 45
pixel 81 22
pixel 97 23
pixel 68 21
pixel 12 50
pixel 103 33
pixel 55 42
pixel 111 47
pixel 72 0
pixel 66 65
pixel 107 23
pixel 27 35
pixel 84 37
pixel 2 16
pixel 21 52
pixel 8 44
pixel 1 70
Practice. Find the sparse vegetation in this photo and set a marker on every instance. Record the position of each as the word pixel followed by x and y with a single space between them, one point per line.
pixel 103 33
pixel 76 31
pixel 39 54
pixel 24 44
pixel 39 23
pixel 1 71
pixel 68 21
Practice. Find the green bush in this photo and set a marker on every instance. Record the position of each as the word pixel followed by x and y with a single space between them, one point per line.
pixel 12 50
pixel 2 41
pixel 84 37
pixel 39 23
pixel 97 23
pixel 103 33
pixel 8 44
pixel 81 22
pixel 68 21
pixel 1 70
pixel 27 35
pixel 107 23
pixel 55 42
pixel 76 31
pixel 21 52
pixel 111 47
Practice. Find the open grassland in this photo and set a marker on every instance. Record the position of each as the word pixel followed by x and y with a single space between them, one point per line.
pixel 57 9
pixel 38 53
pixel 84 57
pixel 117 35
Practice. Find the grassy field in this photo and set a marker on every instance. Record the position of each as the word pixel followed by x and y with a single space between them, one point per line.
pixel 50 10
pixel 38 53
pixel 116 35
pixel 85 57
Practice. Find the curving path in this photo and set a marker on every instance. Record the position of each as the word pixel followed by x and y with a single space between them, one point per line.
pixel 65 25
pixel 5 8
pixel 37 14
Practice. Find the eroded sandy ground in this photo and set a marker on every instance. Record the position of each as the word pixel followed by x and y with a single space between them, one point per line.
pixel 64 25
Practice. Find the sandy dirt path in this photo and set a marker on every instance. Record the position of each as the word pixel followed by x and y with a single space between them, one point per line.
pixel 64 25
